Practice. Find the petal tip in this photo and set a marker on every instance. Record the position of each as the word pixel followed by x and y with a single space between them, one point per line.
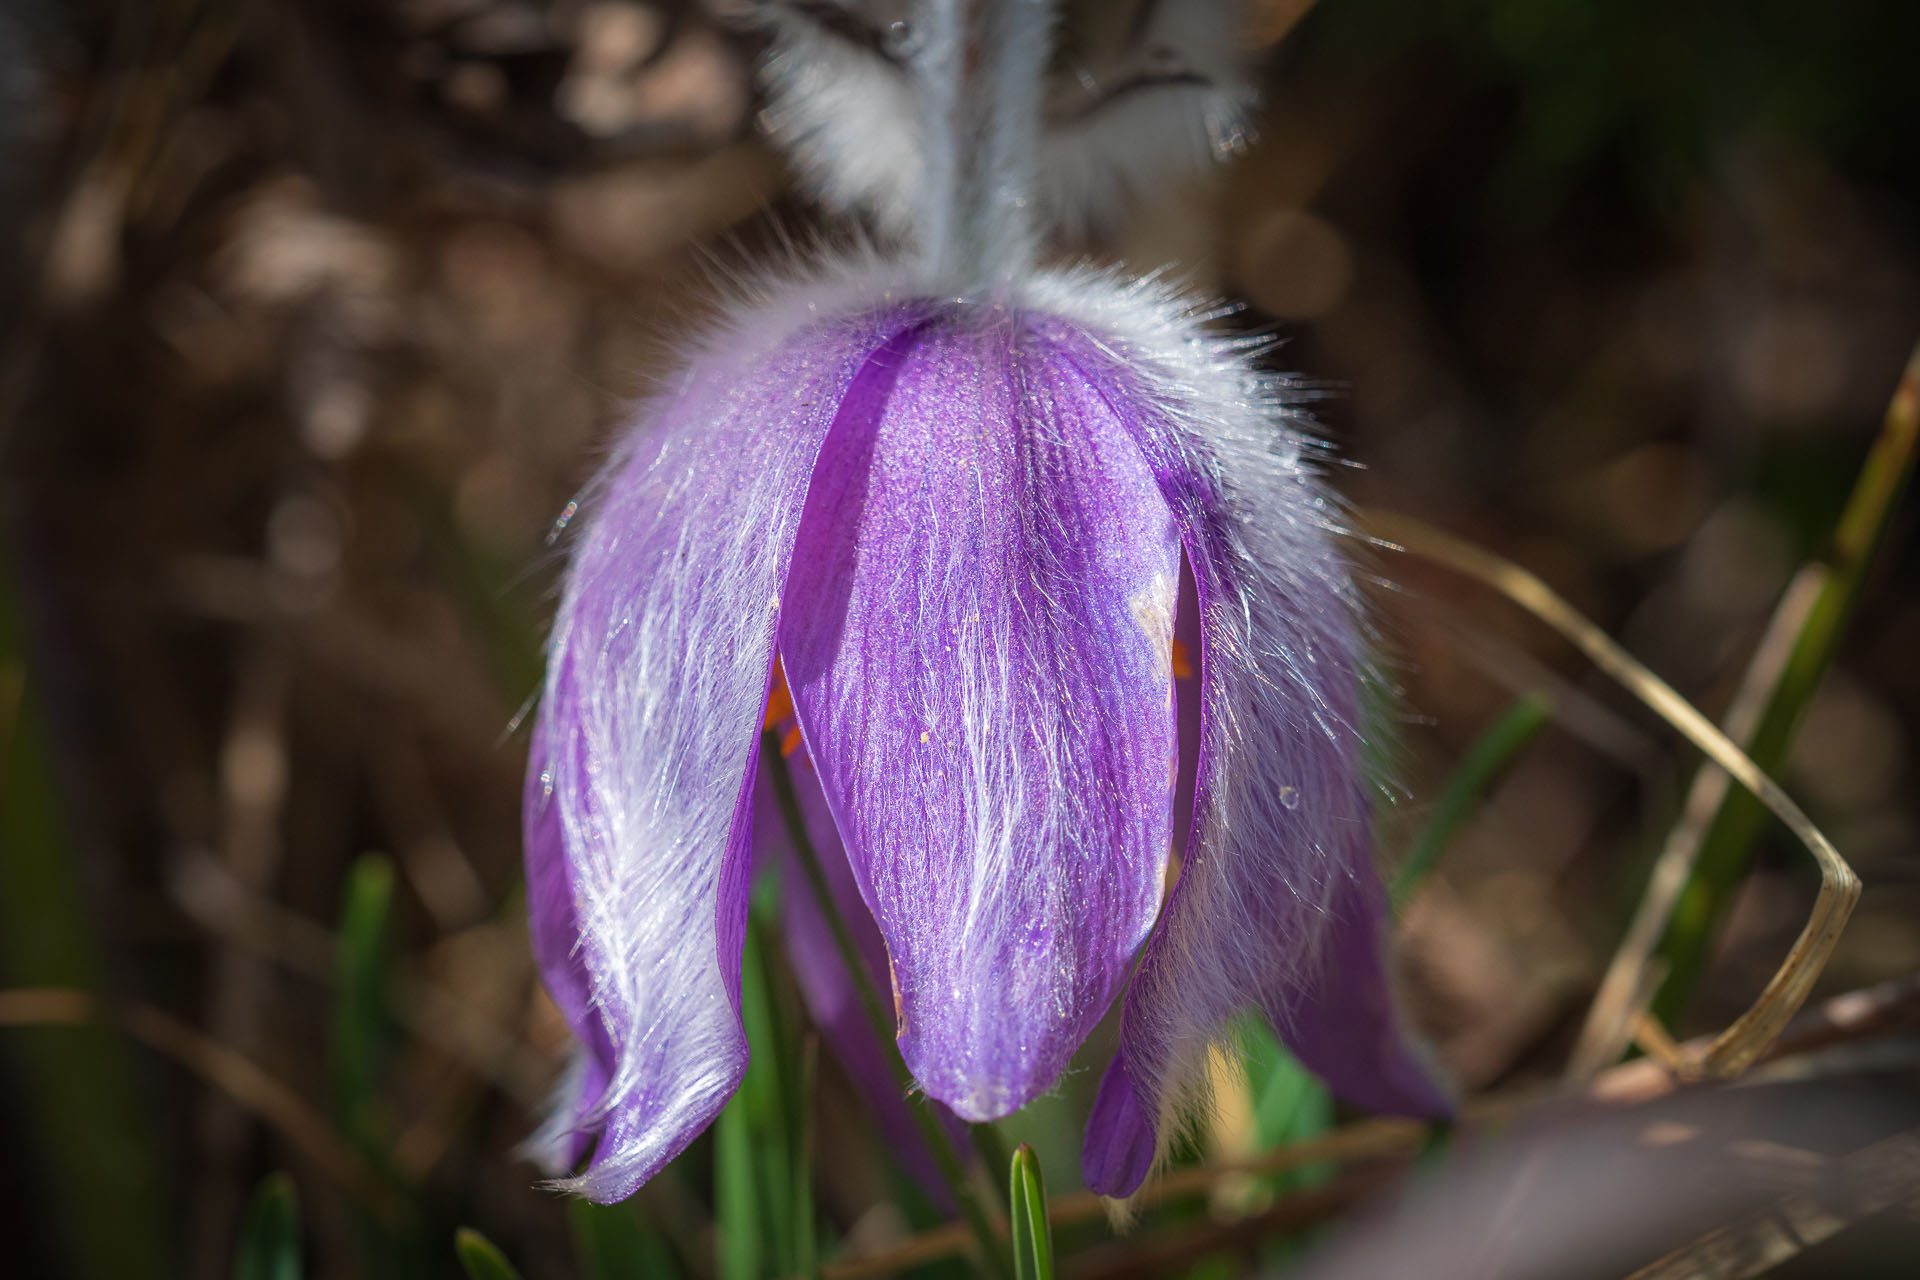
pixel 1120 1143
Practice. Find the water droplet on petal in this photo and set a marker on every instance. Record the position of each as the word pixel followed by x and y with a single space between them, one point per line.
pixel 1290 797
pixel 900 39
pixel 546 784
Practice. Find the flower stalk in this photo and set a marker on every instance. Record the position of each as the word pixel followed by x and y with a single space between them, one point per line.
pixel 945 1157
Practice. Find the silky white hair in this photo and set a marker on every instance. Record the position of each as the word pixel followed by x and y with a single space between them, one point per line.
pixel 657 673
pixel 1269 707
pixel 1156 99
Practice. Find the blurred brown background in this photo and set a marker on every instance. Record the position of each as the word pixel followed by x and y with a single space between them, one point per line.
pixel 318 311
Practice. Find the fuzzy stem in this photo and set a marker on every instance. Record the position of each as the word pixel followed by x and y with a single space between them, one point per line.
pixel 981 64
pixel 937 1140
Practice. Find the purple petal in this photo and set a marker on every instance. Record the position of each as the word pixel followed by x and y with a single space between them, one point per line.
pixel 1278 906
pixel 828 990
pixel 1343 1026
pixel 657 679
pixel 979 649
pixel 1119 1149
pixel 554 931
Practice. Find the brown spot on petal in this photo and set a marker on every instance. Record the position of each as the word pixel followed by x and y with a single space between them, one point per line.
pixel 899 1009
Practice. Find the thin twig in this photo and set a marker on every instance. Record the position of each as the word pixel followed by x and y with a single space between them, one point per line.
pixel 1856 1016
pixel 234 1074
pixel 221 905
pixel 1172 1253
pixel 1368 1140
pixel 254 781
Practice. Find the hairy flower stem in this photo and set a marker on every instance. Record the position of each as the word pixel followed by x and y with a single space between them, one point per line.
pixel 937 1139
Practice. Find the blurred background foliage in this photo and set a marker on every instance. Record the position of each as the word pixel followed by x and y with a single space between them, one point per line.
pixel 319 311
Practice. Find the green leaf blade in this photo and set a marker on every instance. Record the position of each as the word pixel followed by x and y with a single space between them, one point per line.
pixel 480 1258
pixel 362 1010
pixel 91 1136
pixel 1032 1233
pixel 736 1207
pixel 270 1238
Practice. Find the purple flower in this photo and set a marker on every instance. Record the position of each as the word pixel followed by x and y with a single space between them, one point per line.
pixel 959 524
pixel 955 499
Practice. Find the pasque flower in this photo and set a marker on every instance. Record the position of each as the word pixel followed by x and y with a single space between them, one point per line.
pixel 951 497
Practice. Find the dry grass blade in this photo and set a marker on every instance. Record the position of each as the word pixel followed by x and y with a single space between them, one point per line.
pixel 1628 986
pixel 1658 1043
pixel 1783 671
pixel 1748 1037
pixel 1852 1188
pixel 239 1078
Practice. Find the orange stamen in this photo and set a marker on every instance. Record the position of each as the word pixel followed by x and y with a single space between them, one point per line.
pixel 1182 666
pixel 780 711
pixel 779 699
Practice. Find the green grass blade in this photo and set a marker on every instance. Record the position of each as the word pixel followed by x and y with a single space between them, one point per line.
pixel 736 1210
pixel 1032 1233
pixel 772 1089
pixel 92 1145
pixel 270 1237
pixel 1726 844
pixel 480 1258
pixel 362 1011
pixel 363 1039
pixel 757 1197
pixel 1289 1103
pixel 806 1250
pixel 1485 761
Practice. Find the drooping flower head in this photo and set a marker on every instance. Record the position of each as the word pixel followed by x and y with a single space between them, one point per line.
pixel 950 496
